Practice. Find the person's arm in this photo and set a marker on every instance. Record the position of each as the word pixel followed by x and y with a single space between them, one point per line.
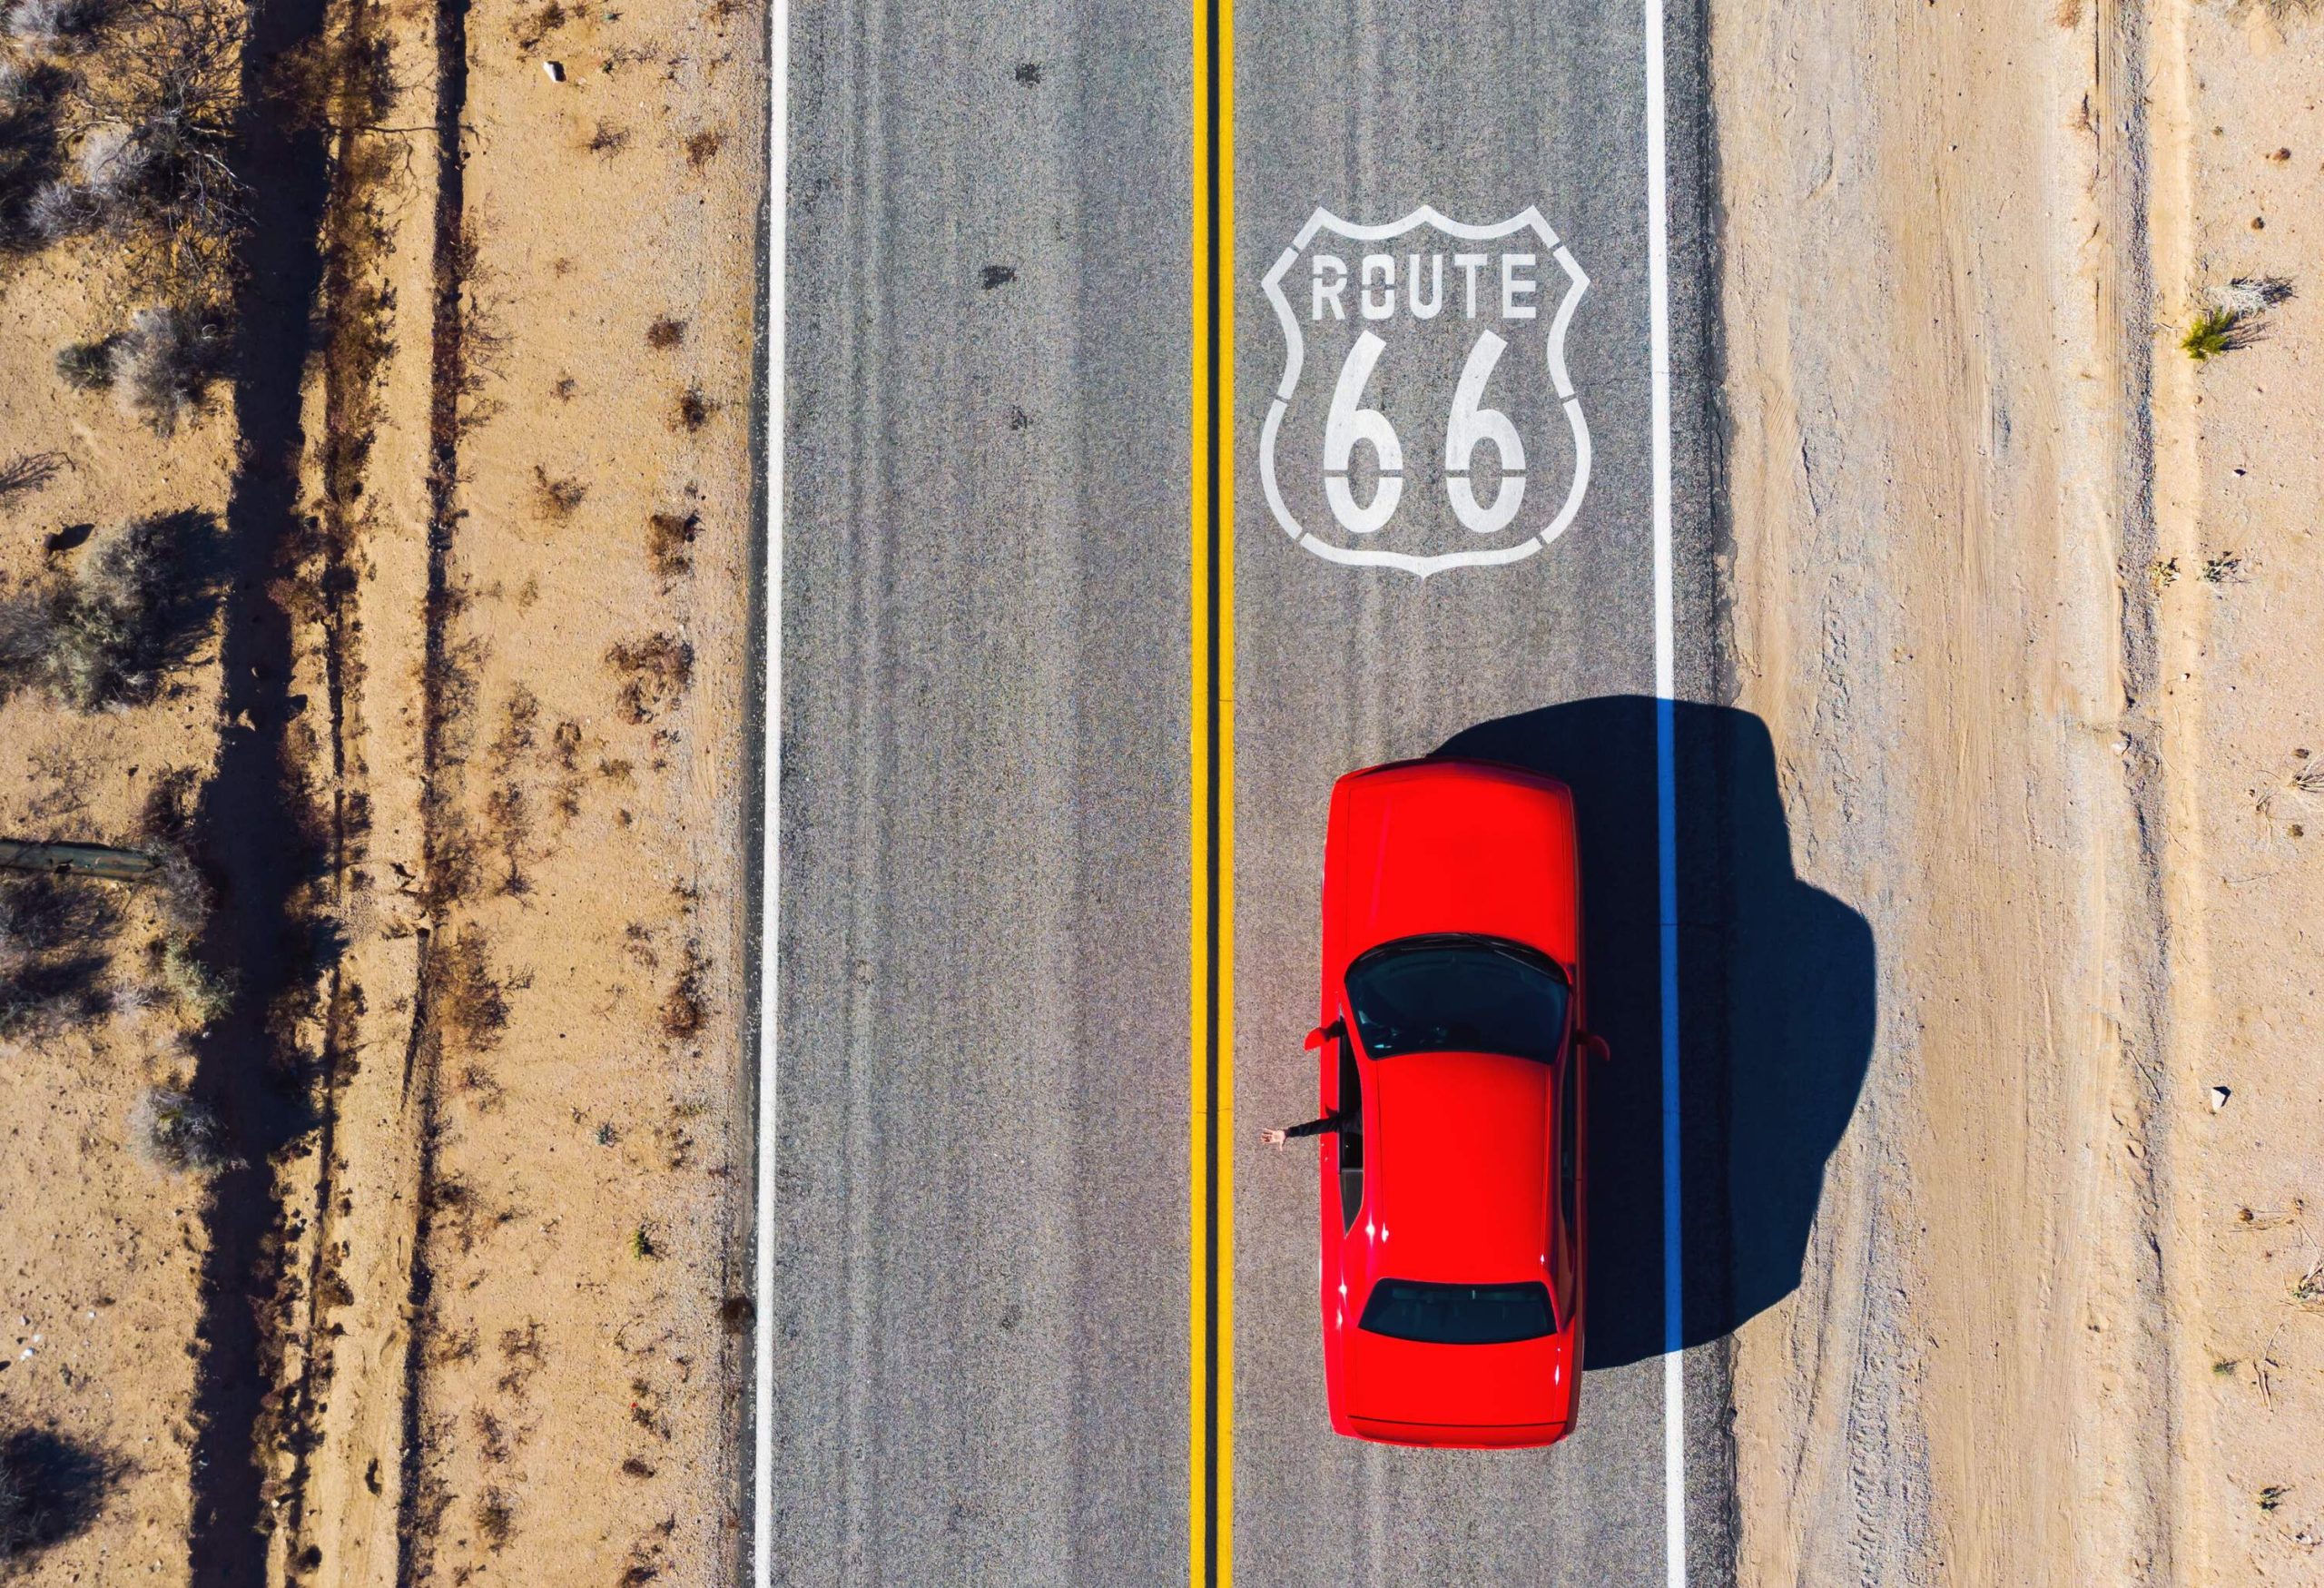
pixel 1325 1126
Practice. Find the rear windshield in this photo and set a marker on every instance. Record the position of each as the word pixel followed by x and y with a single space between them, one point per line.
pixel 1458 1315
pixel 1452 995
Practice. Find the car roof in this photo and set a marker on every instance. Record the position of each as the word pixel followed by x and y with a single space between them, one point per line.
pixel 1457 1159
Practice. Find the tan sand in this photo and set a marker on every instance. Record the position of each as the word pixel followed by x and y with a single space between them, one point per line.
pixel 1960 241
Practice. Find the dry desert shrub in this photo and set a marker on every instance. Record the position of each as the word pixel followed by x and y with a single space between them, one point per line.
pixel 496 1517
pixel 53 933
pixel 153 128
pixel 161 367
pixel 31 148
pixel 86 366
pixel 654 672
pixel 28 473
pixel 55 25
pixel 695 409
pixel 667 537
pixel 41 995
pixel 474 1002
pixel 555 497
pixel 52 1487
pixel 174 1130
pixel 108 634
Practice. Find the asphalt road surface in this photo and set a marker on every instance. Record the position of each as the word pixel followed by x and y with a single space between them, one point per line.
pixel 981 1245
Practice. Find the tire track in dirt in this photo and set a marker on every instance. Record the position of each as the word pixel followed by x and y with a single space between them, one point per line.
pixel 420 1503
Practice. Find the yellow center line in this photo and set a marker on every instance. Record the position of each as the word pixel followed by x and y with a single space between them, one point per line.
pixel 1211 1289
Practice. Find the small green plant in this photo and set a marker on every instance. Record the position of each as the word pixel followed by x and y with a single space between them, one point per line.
pixel 2218 331
pixel 606 1136
pixel 2225 1368
pixel 2307 1290
pixel 2226 568
pixel 641 1245
pixel 2272 1495
pixel 86 366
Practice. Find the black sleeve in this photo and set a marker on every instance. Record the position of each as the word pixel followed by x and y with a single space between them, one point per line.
pixel 1328 1123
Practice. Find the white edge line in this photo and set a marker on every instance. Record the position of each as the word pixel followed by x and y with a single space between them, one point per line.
pixel 1674 1367
pixel 778 177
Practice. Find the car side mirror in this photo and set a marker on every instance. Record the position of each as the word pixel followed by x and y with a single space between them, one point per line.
pixel 1594 1047
pixel 1322 1034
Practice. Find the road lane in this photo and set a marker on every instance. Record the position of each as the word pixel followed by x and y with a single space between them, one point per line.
pixel 979 1296
pixel 1479 109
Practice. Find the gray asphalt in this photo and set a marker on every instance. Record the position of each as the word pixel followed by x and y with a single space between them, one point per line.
pixel 981 1245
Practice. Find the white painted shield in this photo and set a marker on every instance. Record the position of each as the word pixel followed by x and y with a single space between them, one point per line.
pixel 1425 420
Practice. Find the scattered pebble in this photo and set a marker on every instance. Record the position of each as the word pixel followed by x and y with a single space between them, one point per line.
pixel 556 70
pixel 2220 1095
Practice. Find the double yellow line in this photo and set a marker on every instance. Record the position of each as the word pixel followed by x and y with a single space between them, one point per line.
pixel 1211 1478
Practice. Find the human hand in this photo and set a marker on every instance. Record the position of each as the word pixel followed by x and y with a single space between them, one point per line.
pixel 1273 1137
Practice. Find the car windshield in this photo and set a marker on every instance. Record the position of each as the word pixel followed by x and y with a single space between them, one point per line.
pixel 1458 1315
pixel 1458 995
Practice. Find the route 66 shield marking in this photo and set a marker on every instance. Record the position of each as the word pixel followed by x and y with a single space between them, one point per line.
pixel 1409 324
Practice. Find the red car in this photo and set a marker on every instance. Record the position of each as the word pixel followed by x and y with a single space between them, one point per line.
pixel 1452 1060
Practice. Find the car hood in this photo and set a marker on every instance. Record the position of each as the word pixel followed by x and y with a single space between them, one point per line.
pixel 1451 846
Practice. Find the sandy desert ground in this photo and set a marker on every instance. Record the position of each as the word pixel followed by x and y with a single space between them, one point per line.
pixel 2020 587
pixel 457 732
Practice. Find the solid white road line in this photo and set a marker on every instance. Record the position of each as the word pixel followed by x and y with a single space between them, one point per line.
pixel 1666 797
pixel 778 169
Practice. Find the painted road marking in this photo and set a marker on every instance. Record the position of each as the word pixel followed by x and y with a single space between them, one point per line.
pixel 1665 801
pixel 778 171
pixel 1211 1335
pixel 1357 284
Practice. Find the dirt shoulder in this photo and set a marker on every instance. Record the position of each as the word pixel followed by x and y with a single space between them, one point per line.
pixel 2016 593
pixel 454 741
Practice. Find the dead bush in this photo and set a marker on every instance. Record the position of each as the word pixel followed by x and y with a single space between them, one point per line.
pixel 654 672
pixel 154 129
pixel 41 995
pixel 107 635
pixel 558 498
pixel 473 1002
pixel 56 24
pixel 665 333
pixel 174 1130
pixel 695 409
pixel 667 537
pixel 41 914
pixel 683 1015
pixel 52 1488
pixel 163 364
pixel 28 472
pixel 496 1517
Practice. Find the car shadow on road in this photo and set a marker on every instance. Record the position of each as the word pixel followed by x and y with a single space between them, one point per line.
pixel 1775 1011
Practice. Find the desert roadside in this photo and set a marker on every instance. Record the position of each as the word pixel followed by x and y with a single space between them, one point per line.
pixel 373 1201
pixel 2020 588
